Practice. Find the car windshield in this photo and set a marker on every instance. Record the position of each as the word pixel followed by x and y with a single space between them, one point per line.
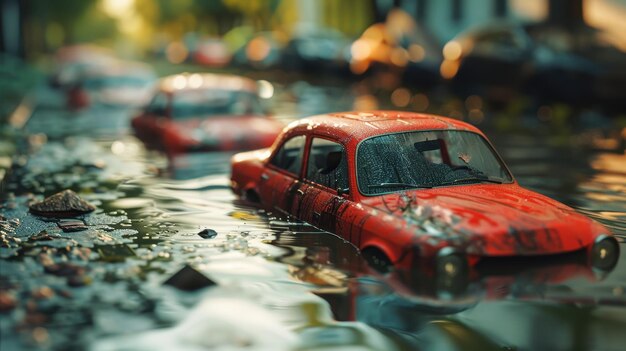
pixel 104 82
pixel 206 103
pixel 425 159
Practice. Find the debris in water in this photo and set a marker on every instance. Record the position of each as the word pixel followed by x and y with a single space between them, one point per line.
pixel 208 234
pixel 43 292
pixel 7 231
pixel 189 279
pixel 244 216
pixel 64 204
pixel 115 253
pixel 78 280
pixel 72 225
pixel 44 236
pixel 64 269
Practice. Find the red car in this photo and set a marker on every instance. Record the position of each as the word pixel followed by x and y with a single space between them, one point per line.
pixel 409 189
pixel 119 84
pixel 206 112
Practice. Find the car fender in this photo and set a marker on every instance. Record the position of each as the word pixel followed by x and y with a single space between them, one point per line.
pixel 375 243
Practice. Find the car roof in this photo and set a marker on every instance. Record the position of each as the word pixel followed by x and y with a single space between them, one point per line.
pixel 208 81
pixel 359 125
pixel 117 69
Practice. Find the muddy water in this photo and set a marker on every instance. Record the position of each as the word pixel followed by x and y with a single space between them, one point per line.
pixel 278 284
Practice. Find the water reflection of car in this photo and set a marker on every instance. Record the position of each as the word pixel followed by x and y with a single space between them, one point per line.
pixel 206 112
pixel 412 189
pixel 579 65
pixel 120 84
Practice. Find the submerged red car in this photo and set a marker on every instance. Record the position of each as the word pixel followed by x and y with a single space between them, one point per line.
pixel 408 188
pixel 206 112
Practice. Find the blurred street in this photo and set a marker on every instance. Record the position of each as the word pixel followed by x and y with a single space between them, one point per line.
pixel 172 259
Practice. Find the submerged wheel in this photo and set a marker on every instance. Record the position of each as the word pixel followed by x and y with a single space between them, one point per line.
pixel 377 260
pixel 604 253
pixel 252 196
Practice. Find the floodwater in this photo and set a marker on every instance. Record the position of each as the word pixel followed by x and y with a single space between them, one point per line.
pixel 277 285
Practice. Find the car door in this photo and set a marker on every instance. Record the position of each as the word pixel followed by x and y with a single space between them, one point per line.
pixel 326 189
pixel 151 122
pixel 280 184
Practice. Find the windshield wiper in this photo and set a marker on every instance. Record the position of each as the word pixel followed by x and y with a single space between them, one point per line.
pixel 472 179
pixel 399 185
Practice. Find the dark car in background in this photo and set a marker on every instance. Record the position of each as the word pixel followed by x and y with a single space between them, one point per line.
pixel 317 50
pixel 206 112
pixel 551 63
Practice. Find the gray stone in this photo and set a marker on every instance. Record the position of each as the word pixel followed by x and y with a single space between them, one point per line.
pixel 64 204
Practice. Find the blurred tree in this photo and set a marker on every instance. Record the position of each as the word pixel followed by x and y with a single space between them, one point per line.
pixel 215 16
pixel 93 25
pixel 64 12
pixel 176 18
pixel 258 12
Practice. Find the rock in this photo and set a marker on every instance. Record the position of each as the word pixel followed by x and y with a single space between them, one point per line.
pixel 189 279
pixel 7 301
pixel 64 204
pixel 43 292
pixel 208 234
pixel 78 280
pixel 72 225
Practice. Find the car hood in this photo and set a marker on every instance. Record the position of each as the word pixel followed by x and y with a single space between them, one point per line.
pixel 491 220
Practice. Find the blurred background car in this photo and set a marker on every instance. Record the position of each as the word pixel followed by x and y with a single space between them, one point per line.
pixel 316 50
pixel 262 50
pixel 206 112
pixel 72 61
pixel 398 45
pixel 548 62
pixel 122 84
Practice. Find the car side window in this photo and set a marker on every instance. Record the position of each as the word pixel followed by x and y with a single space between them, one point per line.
pixel 327 164
pixel 289 156
pixel 158 105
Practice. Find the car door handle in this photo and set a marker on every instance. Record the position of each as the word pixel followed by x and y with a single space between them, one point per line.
pixel 264 176
pixel 300 192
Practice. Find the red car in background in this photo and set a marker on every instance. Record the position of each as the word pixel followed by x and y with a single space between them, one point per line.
pixel 411 189
pixel 118 84
pixel 206 112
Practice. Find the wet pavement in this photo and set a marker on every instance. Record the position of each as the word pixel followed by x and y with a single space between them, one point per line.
pixel 271 284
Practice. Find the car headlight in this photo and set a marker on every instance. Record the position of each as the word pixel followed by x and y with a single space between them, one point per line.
pixel 604 253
